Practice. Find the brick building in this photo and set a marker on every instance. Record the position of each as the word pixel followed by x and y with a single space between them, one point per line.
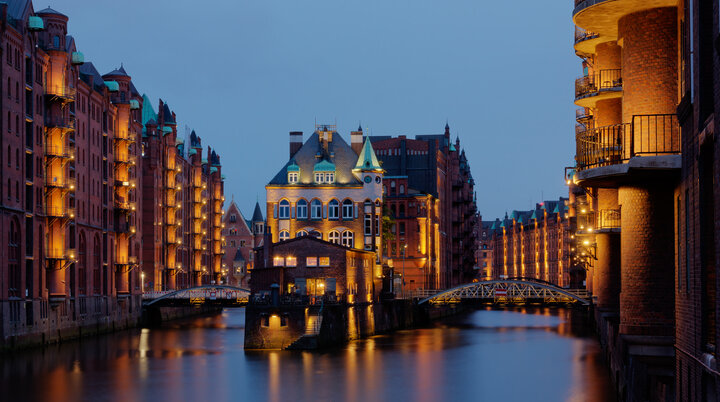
pixel 70 175
pixel 534 244
pixel 433 167
pixel 309 267
pixel 484 250
pixel 241 237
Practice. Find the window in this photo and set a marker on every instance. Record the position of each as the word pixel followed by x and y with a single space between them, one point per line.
pixel 302 209
pixel 402 210
pixel 316 209
pixel 348 239
pixel 402 228
pixel 324 261
pixel 368 225
pixel 290 261
pixel 242 243
pixel 311 261
pixel 278 261
pixel 56 42
pixel 301 233
pixel 347 209
pixel 293 177
pixel 284 235
pixel 333 209
pixel 402 189
pixel 284 209
pixel 319 178
pixel 233 218
pixel 329 177
pixel 334 237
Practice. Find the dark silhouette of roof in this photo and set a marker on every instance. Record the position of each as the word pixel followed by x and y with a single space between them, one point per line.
pixel 50 11
pixel 118 71
pixel 257 213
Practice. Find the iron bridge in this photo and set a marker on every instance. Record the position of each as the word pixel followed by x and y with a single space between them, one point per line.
pixel 509 291
pixel 221 295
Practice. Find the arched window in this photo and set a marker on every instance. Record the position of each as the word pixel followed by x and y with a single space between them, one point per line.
pixel 82 265
pixel 14 260
pixel 301 233
pixel 316 209
pixel 348 239
pixel 402 189
pixel 284 209
pixel 302 209
pixel 284 235
pixel 334 237
pixel 315 234
pixel 56 42
pixel 347 209
pixel 333 209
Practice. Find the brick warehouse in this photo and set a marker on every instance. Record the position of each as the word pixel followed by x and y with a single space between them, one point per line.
pixel 646 154
pixel 73 145
pixel 437 206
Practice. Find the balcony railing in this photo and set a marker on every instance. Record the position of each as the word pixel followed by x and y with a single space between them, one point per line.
pixel 60 182
pixel 608 219
pixel 60 122
pixel 59 152
pixel 647 135
pixel 61 91
pixel 59 212
pixel 582 35
pixel 124 205
pixel 604 80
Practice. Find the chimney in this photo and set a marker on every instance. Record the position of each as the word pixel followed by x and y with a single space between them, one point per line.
pixel 356 140
pixel 296 141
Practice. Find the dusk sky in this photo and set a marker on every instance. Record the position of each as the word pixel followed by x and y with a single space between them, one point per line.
pixel 245 73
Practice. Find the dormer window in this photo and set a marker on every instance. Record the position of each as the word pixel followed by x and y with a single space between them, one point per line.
pixel 293 177
pixel 324 172
pixel 293 172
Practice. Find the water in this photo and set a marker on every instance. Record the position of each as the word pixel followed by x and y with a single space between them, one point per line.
pixel 536 354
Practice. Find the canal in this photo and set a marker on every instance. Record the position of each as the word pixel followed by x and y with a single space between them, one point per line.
pixel 495 355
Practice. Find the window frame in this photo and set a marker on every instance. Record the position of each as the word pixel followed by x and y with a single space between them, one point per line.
pixel 284 209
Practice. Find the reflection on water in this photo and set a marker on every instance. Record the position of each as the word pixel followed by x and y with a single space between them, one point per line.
pixel 525 354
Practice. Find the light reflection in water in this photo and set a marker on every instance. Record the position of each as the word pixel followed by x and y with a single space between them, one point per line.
pixel 483 355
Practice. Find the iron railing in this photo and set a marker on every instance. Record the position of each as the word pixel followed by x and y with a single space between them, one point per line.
pixel 582 35
pixel 60 122
pixel 59 212
pixel 59 152
pixel 60 182
pixel 604 80
pixel 61 91
pixel 647 135
pixel 608 219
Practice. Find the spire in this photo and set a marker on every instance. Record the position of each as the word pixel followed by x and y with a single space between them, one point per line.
pixel 257 214
pixel 367 160
pixel 447 129
pixel 359 127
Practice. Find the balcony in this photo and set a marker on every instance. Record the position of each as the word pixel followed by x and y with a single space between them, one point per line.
pixel 59 253
pixel 126 136
pixel 585 41
pixel 125 206
pixel 602 16
pixel 59 152
pixel 132 260
pixel 60 212
pixel 62 122
pixel 647 135
pixel 605 84
pixel 608 219
pixel 125 159
pixel 60 182
pixel 62 92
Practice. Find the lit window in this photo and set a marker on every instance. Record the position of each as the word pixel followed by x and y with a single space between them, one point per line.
pixel 284 209
pixel 334 237
pixel 302 209
pixel 278 261
pixel 329 177
pixel 333 209
pixel 348 239
pixel 311 261
pixel 347 209
pixel 316 209
pixel 319 178
pixel 324 261
pixel 284 235
pixel 293 177
pixel 290 261
pixel 301 233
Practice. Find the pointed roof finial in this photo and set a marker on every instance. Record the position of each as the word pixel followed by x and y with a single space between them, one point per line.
pixel 359 126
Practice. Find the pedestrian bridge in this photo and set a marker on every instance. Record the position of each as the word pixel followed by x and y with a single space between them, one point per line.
pixel 509 291
pixel 221 295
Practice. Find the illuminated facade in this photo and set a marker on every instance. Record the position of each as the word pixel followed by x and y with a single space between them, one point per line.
pixel 433 166
pixel 73 173
pixel 241 237
pixel 484 252
pixel 534 244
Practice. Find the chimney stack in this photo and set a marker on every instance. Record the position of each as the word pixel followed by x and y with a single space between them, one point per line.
pixel 296 141
pixel 356 140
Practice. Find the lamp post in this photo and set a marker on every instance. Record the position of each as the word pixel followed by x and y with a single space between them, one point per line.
pixel 142 282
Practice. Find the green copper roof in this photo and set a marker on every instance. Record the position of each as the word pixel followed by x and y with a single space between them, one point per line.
pixel 213 169
pixel 167 129
pixel 367 160
pixel 557 209
pixel 293 167
pixel 493 226
pixel 148 113
pixel 113 86
pixel 78 58
pixel 323 166
pixel 35 23
pixel 452 147
pixel 134 104
pixel 502 225
pixel 192 151
pixel 520 219
pixel 533 216
pixel 512 215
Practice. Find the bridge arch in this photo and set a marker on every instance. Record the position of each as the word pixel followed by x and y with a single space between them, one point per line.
pixel 221 292
pixel 511 289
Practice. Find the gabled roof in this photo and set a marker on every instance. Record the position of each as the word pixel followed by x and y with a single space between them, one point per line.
pixel 118 71
pixel 239 255
pixel 367 160
pixel 91 76
pixel 148 113
pixel 339 153
pixel 50 11
pixel 167 115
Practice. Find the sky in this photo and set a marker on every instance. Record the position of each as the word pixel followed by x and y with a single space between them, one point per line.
pixel 244 73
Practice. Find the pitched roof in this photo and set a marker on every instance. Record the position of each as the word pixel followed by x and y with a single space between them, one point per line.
pixel 118 71
pixel 50 11
pixel 257 213
pixel 148 113
pixel 239 255
pixel 91 76
pixel 312 152
pixel 367 160
pixel 167 115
